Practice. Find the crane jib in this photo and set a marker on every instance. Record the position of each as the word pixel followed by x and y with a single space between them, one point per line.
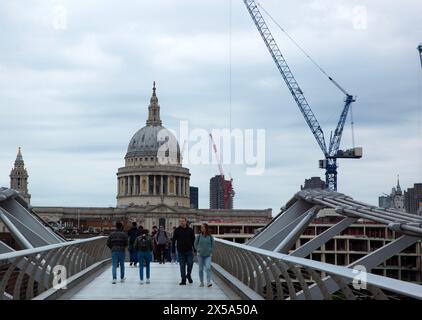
pixel 297 93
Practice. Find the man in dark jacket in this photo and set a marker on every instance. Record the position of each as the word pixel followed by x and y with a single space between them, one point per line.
pixel 117 242
pixel 133 233
pixel 184 239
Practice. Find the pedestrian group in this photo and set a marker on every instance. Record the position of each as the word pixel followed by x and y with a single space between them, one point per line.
pixel 181 246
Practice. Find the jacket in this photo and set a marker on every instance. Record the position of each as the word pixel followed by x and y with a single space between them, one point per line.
pixel 117 241
pixel 133 233
pixel 137 244
pixel 157 237
pixel 184 238
pixel 204 245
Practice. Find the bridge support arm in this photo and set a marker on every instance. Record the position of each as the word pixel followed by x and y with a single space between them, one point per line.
pixel 289 241
pixel 19 236
pixel 369 261
pixel 322 238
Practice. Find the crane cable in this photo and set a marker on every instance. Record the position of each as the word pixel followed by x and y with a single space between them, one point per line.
pixel 230 80
pixel 303 50
pixel 318 66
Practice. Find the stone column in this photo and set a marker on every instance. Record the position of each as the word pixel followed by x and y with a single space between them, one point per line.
pixel 155 185
pixel 168 185
pixel 161 185
pixel 126 185
pixel 179 182
pixel 118 186
pixel 187 187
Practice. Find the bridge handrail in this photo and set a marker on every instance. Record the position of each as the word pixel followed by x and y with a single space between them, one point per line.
pixel 25 252
pixel 245 262
pixel 26 274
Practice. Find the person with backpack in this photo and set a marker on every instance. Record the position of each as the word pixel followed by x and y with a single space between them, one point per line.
pixel 161 239
pixel 204 243
pixel 117 242
pixel 154 244
pixel 183 239
pixel 143 247
pixel 133 233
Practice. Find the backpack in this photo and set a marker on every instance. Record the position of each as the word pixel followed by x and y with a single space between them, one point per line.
pixel 143 243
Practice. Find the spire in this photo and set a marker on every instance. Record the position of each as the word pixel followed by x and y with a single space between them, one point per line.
pixel 19 158
pixel 154 109
pixel 398 184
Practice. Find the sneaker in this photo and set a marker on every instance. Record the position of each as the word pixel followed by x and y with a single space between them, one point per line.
pixel 122 280
pixel 135 264
pixel 148 281
pixel 141 281
pixel 209 284
pixel 114 281
pixel 201 284
pixel 130 264
pixel 183 283
pixel 189 279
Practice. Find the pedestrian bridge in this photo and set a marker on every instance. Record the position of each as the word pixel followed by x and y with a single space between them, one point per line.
pixel 164 283
pixel 267 267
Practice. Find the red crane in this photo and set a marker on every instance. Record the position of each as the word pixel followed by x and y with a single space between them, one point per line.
pixel 227 185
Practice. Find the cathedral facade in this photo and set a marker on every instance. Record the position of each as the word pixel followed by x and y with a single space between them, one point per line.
pixel 152 190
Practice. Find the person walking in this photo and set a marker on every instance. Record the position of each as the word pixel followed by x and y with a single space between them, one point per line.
pixel 174 256
pixel 161 239
pixel 133 233
pixel 183 239
pixel 154 244
pixel 204 244
pixel 117 242
pixel 143 247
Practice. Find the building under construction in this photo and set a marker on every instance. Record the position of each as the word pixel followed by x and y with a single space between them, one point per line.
pixel 217 193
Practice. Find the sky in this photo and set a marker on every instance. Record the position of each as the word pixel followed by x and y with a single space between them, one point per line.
pixel 76 78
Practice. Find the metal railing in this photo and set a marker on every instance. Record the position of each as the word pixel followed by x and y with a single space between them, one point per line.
pixel 276 276
pixel 27 273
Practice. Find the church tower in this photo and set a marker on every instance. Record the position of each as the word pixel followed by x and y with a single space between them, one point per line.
pixel 19 178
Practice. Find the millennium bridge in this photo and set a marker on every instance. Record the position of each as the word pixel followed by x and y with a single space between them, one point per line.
pixel 270 266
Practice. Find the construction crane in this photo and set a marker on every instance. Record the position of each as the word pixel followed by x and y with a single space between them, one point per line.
pixel 226 185
pixel 332 152
pixel 420 52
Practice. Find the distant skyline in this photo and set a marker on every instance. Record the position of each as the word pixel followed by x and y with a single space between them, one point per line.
pixel 74 91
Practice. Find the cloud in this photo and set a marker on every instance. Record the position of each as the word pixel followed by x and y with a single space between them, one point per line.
pixel 73 98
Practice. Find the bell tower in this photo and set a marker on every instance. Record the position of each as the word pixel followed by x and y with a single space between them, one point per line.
pixel 19 178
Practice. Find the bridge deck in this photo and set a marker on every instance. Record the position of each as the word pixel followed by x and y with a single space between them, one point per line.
pixel 164 286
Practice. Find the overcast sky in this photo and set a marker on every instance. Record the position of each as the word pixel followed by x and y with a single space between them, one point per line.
pixel 73 92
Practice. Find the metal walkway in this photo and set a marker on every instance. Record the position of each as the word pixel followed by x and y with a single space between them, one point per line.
pixel 164 286
pixel 267 267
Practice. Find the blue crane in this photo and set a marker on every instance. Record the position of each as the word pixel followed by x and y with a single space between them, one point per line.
pixel 332 152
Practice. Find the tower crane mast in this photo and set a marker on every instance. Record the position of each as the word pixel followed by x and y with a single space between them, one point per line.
pixel 331 152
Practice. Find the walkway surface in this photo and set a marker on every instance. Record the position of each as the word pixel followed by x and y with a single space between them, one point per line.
pixel 164 285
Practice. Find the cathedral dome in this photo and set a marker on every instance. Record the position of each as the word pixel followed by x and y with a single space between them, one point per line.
pixel 153 173
pixel 149 139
